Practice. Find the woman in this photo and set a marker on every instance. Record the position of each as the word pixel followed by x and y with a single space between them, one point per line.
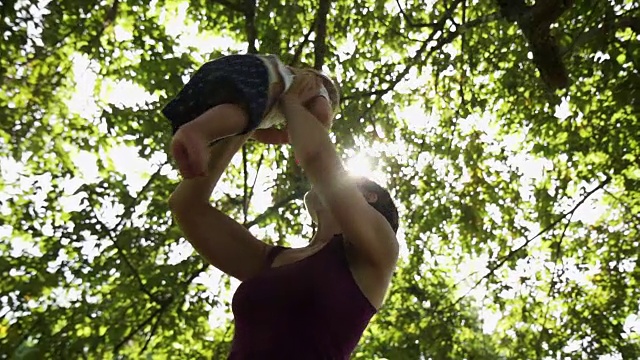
pixel 305 303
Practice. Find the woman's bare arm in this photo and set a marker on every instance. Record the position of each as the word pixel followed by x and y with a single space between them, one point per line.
pixel 364 227
pixel 222 241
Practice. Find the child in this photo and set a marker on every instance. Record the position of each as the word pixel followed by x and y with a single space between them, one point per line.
pixel 255 83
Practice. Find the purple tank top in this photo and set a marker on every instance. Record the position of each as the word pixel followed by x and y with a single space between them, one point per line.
pixel 310 309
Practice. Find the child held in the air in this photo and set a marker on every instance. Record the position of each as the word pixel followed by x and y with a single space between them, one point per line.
pixel 252 82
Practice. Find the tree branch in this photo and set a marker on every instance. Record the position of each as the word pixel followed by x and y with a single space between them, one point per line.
pixel 134 200
pixel 195 274
pixel 298 53
pixel 224 336
pixel 443 40
pixel 158 313
pixel 110 17
pixel 320 48
pixel 230 5
pixel 144 323
pixel 409 21
pixel 252 32
pixel 228 328
pixel 117 229
pixel 123 256
pixel 628 207
pixel 603 31
pixel 535 21
pixel 463 101
pixel 154 328
pixel 480 20
pixel 112 13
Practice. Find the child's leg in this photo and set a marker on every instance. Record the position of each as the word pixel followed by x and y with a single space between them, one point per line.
pixel 218 122
pixel 232 79
pixel 190 143
pixel 227 96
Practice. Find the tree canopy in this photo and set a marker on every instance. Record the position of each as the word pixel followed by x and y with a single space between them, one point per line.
pixel 507 132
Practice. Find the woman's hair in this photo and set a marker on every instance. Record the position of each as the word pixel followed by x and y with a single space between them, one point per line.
pixel 384 204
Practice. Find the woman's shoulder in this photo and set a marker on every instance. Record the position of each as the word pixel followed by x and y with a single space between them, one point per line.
pixel 273 252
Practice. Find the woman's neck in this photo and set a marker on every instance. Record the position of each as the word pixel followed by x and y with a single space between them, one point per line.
pixel 327 229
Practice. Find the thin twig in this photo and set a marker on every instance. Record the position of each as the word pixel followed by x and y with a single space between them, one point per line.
pixel 224 336
pixel 624 204
pixel 134 200
pixel 252 35
pixel 255 180
pixel 138 328
pixel 443 40
pixel 154 328
pixel 463 103
pixel 556 256
pixel 195 274
pixel 109 19
pixel 512 253
pixel 122 255
pixel 162 309
pixel 245 186
pixel 607 26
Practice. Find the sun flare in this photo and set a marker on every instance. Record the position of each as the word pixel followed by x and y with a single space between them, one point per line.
pixel 359 165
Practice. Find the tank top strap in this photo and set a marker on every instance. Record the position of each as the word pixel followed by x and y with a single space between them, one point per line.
pixel 273 252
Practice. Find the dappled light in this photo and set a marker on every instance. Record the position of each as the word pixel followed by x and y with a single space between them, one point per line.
pixel 507 133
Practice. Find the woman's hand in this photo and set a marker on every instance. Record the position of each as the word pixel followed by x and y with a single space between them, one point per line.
pixel 306 86
pixel 305 92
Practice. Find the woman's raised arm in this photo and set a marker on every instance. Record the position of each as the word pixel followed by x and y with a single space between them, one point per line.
pixel 222 241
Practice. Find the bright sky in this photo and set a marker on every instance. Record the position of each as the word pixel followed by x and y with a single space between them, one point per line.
pixel 138 170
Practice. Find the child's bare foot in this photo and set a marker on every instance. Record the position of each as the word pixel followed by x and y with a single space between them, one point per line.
pixel 190 143
pixel 189 149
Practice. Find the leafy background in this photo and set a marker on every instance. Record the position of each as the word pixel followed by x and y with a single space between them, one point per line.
pixel 507 131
